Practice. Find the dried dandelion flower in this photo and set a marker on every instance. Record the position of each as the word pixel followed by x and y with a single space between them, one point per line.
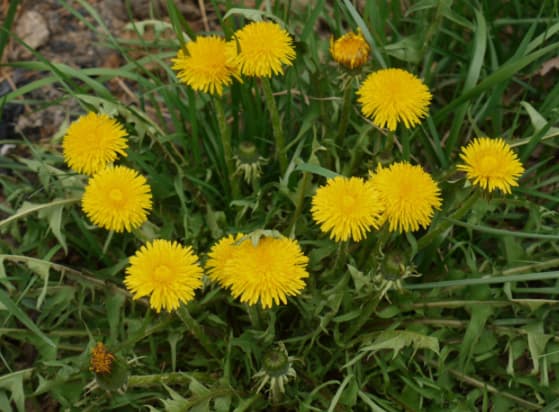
pixel 165 271
pixel 92 142
pixel 491 164
pixel 392 96
pixel 101 359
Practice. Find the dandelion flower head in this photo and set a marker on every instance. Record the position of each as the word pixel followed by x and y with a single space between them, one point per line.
pixel 92 142
pixel 491 164
pixel 351 50
pixel 347 208
pixel 206 64
pixel 165 271
pixel 117 198
pixel 101 359
pixel 392 96
pixel 409 195
pixel 263 48
pixel 266 272
pixel 219 255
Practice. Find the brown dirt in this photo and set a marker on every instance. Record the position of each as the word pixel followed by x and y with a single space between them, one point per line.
pixel 70 41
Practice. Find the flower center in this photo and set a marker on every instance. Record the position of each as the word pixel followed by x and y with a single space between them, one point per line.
pixel 348 203
pixel 404 190
pixel 162 274
pixel 394 91
pixel 487 165
pixel 116 195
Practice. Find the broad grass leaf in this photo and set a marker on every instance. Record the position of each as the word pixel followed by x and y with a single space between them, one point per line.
pixel 399 339
pixel 3 278
pixel 407 49
pixel 537 120
pixel 317 170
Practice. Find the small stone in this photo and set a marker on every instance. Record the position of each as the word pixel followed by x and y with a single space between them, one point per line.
pixel 32 29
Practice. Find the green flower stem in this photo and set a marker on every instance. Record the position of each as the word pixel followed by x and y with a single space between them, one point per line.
pixel 406 141
pixel 356 155
pixel 341 256
pixel 344 117
pixel 225 134
pixel 108 242
pixel 276 124
pixel 196 330
pixel 389 142
pixel 255 316
pixel 300 203
pixel 427 238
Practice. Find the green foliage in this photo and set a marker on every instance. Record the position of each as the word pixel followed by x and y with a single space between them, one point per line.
pixel 463 317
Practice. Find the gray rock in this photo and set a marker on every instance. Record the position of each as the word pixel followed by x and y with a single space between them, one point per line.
pixel 32 29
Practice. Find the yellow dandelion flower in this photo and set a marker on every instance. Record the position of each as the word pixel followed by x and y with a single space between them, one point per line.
pixel 491 164
pixel 264 273
pixel 166 271
pixel 391 96
pixel 219 255
pixel 347 208
pixel 351 50
pixel 262 48
pixel 409 195
pixel 117 198
pixel 101 359
pixel 207 64
pixel 92 142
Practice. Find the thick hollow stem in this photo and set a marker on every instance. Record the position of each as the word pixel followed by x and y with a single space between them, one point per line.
pixel 344 117
pixel 225 134
pixel 276 124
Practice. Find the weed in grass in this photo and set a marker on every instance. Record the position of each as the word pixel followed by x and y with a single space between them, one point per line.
pixel 297 208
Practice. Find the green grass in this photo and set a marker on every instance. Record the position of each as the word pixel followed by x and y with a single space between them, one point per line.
pixel 470 326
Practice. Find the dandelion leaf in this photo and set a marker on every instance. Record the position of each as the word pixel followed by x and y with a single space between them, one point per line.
pixel 13 383
pixel 398 339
